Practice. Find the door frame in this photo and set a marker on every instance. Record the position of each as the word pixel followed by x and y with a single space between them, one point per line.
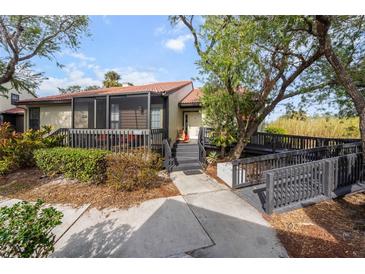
pixel 184 123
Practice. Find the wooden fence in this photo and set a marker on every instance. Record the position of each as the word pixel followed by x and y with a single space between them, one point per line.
pixel 248 171
pixel 282 141
pixel 293 184
pixel 116 140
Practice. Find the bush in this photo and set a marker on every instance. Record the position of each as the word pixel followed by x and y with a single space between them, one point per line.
pixel 212 157
pixel 275 130
pixel 25 230
pixel 85 165
pixel 132 171
pixel 16 149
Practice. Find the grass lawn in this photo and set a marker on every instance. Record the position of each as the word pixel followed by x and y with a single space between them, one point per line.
pixel 30 184
pixel 333 228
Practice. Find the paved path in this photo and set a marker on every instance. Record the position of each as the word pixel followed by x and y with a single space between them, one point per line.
pixel 163 227
pixel 236 228
pixel 208 220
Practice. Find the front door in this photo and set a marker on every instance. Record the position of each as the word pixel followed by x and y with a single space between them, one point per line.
pixel 192 123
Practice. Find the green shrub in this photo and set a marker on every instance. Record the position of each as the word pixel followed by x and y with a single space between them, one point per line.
pixel 6 165
pixel 85 165
pixel 132 171
pixel 275 130
pixel 16 149
pixel 25 230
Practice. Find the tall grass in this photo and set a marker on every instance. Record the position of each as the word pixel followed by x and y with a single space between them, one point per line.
pixel 317 126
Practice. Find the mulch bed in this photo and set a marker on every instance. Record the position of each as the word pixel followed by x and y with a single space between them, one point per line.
pixel 334 228
pixel 31 184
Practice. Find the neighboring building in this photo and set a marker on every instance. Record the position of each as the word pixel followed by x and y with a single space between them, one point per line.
pixel 10 112
pixel 169 105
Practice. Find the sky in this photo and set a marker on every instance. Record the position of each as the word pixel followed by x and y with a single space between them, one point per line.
pixel 142 49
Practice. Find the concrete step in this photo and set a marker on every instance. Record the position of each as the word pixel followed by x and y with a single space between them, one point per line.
pixel 190 154
pixel 187 166
pixel 189 148
pixel 186 160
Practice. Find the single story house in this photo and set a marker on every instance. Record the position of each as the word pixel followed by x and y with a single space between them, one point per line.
pixel 167 105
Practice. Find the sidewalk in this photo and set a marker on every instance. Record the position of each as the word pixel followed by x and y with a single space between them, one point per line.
pixel 236 228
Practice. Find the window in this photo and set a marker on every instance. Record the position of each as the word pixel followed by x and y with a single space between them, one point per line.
pixel 156 116
pixel 14 98
pixel 34 115
pixel 114 116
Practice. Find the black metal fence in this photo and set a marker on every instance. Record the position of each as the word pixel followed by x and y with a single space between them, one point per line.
pixel 116 140
pixel 293 184
pixel 248 171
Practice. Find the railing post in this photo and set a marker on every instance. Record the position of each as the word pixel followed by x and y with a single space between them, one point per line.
pixel 328 178
pixel 269 203
pixel 234 174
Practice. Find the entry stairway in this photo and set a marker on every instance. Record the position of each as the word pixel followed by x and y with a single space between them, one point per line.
pixel 186 156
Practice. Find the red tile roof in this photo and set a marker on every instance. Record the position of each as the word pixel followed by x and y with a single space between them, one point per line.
pixel 193 98
pixel 163 87
pixel 13 111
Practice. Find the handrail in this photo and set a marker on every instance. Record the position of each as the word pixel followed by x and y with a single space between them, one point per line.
pixel 201 145
pixel 248 171
pixel 167 153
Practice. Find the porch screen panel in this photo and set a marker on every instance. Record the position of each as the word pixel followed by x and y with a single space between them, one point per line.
pixel 84 112
pixel 132 111
pixel 100 112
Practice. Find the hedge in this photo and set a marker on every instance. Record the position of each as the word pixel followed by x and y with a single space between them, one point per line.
pixel 85 165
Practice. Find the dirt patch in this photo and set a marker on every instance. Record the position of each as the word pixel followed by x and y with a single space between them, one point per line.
pixel 333 228
pixel 211 170
pixel 32 185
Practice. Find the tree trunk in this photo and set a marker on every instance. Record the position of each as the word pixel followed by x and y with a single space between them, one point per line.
pixel 238 149
pixel 362 132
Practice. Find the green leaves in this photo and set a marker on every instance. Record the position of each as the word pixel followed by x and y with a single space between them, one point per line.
pixel 86 165
pixel 26 230
pixel 24 37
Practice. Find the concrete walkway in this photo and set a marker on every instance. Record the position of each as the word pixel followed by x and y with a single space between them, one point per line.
pixel 236 228
pixel 208 220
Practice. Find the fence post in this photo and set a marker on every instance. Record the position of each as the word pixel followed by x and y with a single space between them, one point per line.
pixel 234 174
pixel 328 178
pixel 269 204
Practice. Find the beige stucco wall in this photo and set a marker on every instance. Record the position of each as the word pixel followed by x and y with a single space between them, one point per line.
pixel 175 112
pixel 57 116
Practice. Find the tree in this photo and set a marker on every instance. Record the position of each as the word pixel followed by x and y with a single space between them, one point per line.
pixel 111 79
pixel 257 61
pixel 341 39
pixel 76 88
pixel 24 37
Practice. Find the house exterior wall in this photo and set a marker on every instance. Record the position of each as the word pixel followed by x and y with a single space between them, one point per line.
pixel 5 103
pixel 175 112
pixel 57 116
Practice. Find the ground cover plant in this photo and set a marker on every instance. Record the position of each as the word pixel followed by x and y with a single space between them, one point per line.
pixel 26 229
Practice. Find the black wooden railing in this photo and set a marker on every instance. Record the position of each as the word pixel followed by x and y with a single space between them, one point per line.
pixel 201 145
pixel 277 142
pixel 295 142
pixel 248 171
pixel 116 140
pixel 167 153
pixel 296 184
